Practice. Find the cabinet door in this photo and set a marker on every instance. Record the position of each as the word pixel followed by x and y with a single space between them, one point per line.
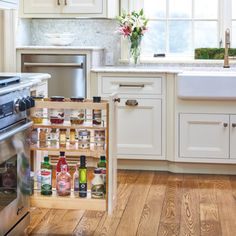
pixel 42 6
pixel 83 6
pixel 233 136
pixel 204 136
pixel 140 128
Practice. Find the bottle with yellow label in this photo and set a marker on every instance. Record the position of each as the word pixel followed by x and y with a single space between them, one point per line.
pixel 83 177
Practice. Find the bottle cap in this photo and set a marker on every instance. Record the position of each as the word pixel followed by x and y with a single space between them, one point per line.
pixel 82 161
pixel 97 171
pixel 62 153
pixel 102 158
pixel 96 99
pixel 46 159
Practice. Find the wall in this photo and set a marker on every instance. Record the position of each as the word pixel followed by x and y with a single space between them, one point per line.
pixel 89 32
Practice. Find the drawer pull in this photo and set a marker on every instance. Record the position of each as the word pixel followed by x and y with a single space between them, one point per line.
pixel 233 125
pixel 116 100
pixel 225 125
pixel 58 2
pixel 131 103
pixel 132 85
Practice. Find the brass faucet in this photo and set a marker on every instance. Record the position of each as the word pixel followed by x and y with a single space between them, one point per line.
pixel 227 46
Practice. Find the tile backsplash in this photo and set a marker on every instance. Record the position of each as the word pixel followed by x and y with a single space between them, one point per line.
pixel 89 32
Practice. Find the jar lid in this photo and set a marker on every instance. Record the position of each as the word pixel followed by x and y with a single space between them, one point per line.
pixel 57 98
pixel 96 99
pixel 77 99
pixel 37 97
pixel 97 171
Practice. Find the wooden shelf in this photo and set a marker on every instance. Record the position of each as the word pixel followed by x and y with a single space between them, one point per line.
pixel 68 125
pixel 88 104
pixel 67 202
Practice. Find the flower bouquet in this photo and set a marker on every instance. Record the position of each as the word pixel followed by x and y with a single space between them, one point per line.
pixel 133 26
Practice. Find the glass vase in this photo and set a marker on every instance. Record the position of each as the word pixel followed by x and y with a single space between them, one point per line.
pixel 134 51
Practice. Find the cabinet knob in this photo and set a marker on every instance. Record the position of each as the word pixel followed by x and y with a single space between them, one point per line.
pixel 131 103
pixel 116 100
pixel 225 125
pixel 233 125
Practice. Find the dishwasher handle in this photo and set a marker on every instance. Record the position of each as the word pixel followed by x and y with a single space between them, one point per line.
pixel 41 64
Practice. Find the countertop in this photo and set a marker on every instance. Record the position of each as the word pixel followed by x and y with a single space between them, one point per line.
pixel 27 80
pixel 89 48
pixel 161 69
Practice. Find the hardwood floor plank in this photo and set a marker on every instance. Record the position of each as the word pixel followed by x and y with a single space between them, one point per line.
pixel 233 186
pixel 88 223
pixel 190 222
pixel 56 222
pixel 171 211
pixel 226 204
pixel 132 214
pixel 151 214
pixel 209 212
pixel 109 224
pixel 36 216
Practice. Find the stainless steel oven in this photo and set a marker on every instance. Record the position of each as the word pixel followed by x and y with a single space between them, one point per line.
pixel 15 130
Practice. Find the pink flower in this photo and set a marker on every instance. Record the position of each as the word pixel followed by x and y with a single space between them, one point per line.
pixel 144 30
pixel 125 30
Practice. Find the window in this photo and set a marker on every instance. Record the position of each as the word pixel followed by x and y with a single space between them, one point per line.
pixel 177 27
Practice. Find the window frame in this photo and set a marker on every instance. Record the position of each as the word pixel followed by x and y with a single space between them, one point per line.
pixel 224 21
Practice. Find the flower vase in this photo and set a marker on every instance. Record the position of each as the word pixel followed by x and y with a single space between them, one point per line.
pixel 134 51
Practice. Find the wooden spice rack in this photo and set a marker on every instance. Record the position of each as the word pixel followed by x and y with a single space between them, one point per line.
pixel 72 201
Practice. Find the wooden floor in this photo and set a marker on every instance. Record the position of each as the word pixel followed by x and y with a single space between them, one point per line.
pixel 152 203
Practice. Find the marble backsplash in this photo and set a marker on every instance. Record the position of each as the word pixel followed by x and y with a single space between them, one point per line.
pixel 89 32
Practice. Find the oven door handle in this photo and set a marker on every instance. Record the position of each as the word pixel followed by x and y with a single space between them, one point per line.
pixel 16 130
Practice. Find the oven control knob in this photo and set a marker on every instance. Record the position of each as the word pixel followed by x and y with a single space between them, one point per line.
pixel 17 105
pixel 27 102
pixel 32 102
pixel 22 105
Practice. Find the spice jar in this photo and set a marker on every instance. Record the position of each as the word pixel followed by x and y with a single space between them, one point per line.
pixel 99 139
pixel 53 137
pixel 62 138
pixel 84 139
pixel 57 115
pixel 97 113
pixel 37 115
pixel 72 136
pixel 43 138
pixel 34 136
pixel 77 116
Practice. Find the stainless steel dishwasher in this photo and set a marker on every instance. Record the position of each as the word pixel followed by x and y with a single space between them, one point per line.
pixel 68 72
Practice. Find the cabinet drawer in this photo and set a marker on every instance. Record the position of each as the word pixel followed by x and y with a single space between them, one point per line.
pixel 131 85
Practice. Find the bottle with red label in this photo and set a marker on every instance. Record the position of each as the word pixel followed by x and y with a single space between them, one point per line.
pixel 46 177
pixel 63 182
pixel 61 161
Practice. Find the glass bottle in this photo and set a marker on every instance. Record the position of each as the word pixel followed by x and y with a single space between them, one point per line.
pixel 62 138
pixel 72 136
pixel 102 165
pixel 46 177
pixel 97 185
pixel 76 180
pixel 53 137
pixel 61 161
pixel 63 182
pixel 83 177
pixel 43 138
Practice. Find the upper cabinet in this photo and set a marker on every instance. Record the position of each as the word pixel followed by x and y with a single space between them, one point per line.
pixel 8 4
pixel 69 8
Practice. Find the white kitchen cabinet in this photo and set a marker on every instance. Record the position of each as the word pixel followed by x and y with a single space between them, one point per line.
pixel 141 113
pixel 9 4
pixel 40 89
pixel 233 136
pixel 140 127
pixel 203 136
pixel 69 8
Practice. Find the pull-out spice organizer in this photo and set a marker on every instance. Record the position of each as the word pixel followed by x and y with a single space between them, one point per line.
pixel 85 128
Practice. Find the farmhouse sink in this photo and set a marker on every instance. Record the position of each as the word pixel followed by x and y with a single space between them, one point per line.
pixel 207 85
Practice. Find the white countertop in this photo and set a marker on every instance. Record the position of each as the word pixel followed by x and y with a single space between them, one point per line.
pixel 27 80
pixel 90 48
pixel 161 69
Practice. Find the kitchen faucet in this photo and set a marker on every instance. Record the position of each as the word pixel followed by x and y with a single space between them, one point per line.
pixel 227 46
